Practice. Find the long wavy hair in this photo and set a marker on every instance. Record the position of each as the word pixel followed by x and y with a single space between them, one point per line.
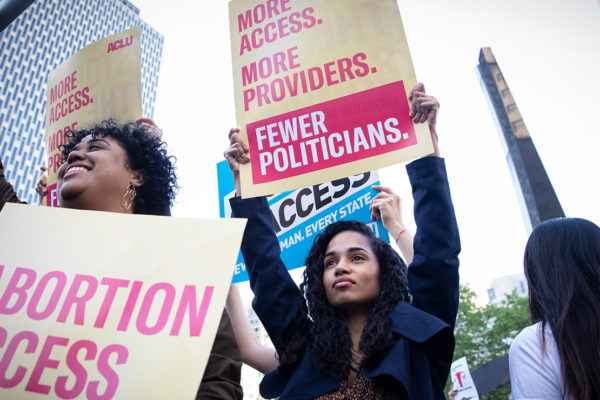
pixel 562 266
pixel 329 339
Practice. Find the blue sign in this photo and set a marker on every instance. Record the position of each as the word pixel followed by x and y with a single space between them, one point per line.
pixel 300 215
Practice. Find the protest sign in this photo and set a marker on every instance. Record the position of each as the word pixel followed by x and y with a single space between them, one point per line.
pixel 109 305
pixel 321 90
pixel 300 215
pixel 462 382
pixel 101 81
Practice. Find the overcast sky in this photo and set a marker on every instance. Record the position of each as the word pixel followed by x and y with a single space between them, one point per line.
pixel 548 51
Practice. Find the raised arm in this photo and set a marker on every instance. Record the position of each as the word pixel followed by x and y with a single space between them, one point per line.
pixel 433 274
pixel 258 356
pixel 278 302
pixel 387 207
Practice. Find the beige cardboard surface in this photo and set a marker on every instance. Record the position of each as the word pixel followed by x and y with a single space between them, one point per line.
pixel 101 81
pixel 167 256
pixel 343 28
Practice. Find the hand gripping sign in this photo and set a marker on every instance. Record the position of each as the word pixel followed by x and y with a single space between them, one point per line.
pixel 110 306
pixel 100 81
pixel 300 215
pixel 321 90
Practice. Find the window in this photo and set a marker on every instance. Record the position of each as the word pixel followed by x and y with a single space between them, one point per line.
pixel 522 287
pixel 492 295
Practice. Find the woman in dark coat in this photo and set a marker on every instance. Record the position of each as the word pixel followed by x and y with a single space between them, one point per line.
pixel 363 325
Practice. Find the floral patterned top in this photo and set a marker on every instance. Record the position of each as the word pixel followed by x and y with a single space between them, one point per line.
pixel 361 388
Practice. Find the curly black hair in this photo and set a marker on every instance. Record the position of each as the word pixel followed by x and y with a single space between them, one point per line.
pixel 329 340
pixel 146 154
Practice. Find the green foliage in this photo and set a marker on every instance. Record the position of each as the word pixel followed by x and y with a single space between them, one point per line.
pixel 484 333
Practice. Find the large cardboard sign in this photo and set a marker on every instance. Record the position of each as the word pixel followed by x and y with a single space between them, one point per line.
pixel 101 81
pixel 321 90
pixel 109 306
pixel 462 381
pixel 300 215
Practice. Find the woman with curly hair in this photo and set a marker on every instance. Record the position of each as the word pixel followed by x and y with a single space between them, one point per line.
pixel 117 168
pixel 558 357
pixel 362 325
pixel 126 169
pixel 114 168
pixel 264 358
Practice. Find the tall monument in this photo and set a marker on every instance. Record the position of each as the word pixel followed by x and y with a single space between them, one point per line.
pixel 537 196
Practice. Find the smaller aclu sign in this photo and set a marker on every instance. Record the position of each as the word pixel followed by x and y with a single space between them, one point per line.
pixel 100 81
pixel 300 215
pixel 462 382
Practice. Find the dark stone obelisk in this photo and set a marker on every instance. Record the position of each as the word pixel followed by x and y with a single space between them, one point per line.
pixel 537 194
pixel 10 10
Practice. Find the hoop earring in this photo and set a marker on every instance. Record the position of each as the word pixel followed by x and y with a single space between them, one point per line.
pixel 128 197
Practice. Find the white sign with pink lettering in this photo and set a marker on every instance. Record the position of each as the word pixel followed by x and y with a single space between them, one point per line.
pixel 462 382
pixel 109 305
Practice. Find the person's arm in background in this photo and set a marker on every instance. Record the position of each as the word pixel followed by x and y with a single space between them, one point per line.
pixel 42 186
pixel 7 193
pixel 260 357
pixel 278 301
pixel 387 207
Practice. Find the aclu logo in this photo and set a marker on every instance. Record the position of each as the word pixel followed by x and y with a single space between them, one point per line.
pixel 119 44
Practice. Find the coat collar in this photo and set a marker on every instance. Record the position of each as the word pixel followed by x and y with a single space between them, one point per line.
pixel 415 324
pixel 305 380
pixel 412 368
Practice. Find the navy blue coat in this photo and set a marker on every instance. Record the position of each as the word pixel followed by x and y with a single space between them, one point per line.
pixel 416 366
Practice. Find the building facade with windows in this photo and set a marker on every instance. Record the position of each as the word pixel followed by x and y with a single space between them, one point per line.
pixel 37 41
pixel 505 285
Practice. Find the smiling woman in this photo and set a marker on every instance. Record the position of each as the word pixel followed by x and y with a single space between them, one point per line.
pixel 126 169
pixel 120 169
